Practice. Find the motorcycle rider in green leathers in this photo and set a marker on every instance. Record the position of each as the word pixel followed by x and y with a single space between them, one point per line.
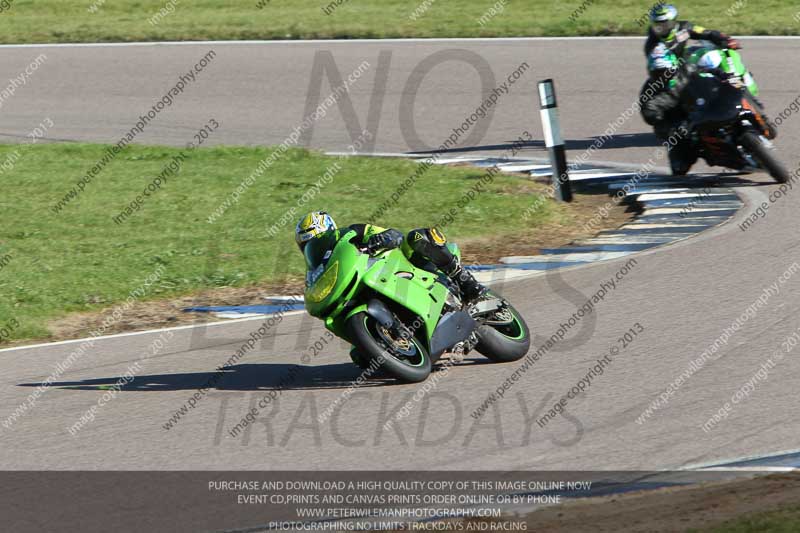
pixel 423 247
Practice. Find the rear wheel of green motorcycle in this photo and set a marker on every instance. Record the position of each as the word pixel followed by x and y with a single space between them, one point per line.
pixel 505 342
pixel 405 359
pixel 764 153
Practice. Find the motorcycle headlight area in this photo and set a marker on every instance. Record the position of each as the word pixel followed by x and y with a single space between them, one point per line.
pixel 324 284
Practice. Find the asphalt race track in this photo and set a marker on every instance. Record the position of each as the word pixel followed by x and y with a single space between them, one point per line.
pixel 684 295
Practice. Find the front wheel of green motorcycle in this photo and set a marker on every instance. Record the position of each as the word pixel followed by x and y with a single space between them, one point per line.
pixel 404 358
pixel 504 337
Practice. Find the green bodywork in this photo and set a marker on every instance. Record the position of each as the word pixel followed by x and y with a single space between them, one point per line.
pixel 731 63
pixel 334 296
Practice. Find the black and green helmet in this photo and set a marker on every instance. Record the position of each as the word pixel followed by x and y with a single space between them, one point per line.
pixel 663 20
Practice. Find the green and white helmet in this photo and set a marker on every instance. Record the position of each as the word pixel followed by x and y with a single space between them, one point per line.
pixel 662 58
pixel 706 58
pixel 664 20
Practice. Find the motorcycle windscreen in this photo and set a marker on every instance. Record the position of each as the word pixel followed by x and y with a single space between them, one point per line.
pixel 316 251
pixel 713 102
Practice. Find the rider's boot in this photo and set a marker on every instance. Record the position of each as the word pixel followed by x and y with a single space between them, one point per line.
pixel 682 154
pixel 470 289
pixel 680 161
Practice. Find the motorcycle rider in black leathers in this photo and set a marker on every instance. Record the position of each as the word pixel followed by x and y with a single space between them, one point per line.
pixel 667 29
pixel 661 94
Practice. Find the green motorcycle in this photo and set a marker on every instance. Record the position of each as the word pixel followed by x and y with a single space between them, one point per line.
pixel 400 317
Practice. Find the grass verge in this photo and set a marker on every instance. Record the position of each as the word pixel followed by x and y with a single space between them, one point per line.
pixel 81 260
pixel 39 21
pixel 784 520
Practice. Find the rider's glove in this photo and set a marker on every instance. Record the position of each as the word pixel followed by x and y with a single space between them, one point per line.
pixel 733 44
pixel 386 240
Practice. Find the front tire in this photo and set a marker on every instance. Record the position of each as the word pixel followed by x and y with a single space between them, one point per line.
pixel 764 153
pixel 372 342
pixel 505 343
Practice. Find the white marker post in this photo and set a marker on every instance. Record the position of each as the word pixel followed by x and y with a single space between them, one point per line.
pixel 552 138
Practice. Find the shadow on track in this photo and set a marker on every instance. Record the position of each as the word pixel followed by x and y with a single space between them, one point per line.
pixel 724 178
pixel 628 140
pixel 246 377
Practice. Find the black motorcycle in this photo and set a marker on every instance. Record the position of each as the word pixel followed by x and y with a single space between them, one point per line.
pixel 727 124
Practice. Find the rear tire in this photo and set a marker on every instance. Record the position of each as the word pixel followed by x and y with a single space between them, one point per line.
pixel 503 344
pixel 364 333
pixel 765 155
